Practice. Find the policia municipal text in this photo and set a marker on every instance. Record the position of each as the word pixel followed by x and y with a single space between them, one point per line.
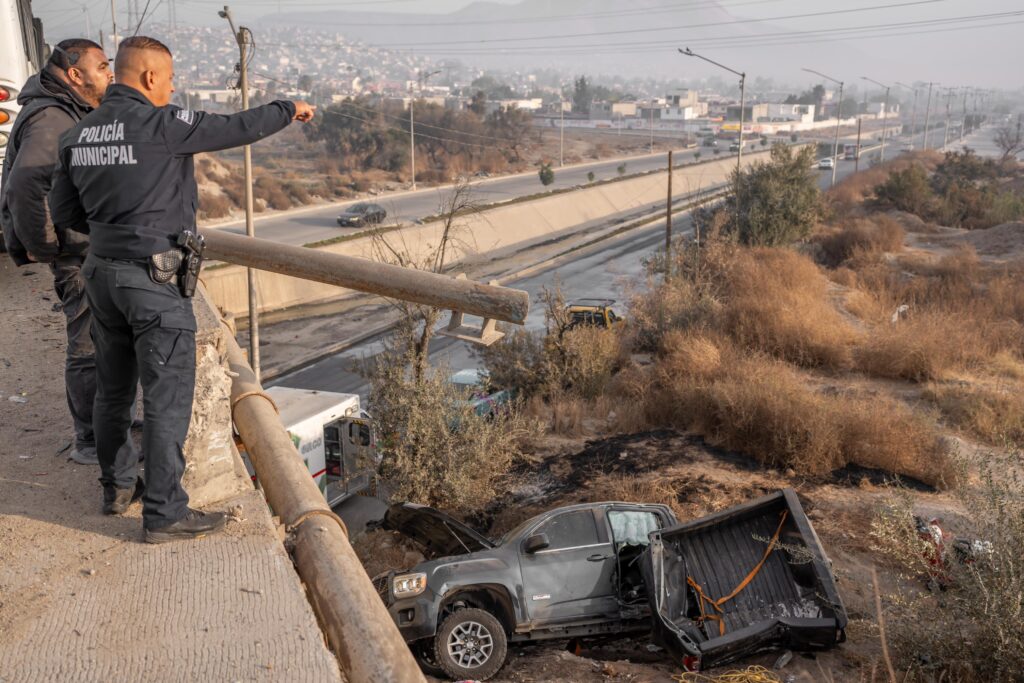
pixel 125 176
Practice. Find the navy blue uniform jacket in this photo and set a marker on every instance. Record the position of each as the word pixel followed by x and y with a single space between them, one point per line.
pixel 126 176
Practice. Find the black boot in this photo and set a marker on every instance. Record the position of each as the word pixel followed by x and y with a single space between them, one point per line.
pixel 194 524
pixel 116 501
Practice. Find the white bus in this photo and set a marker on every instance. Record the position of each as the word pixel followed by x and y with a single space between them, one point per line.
pixel 22 53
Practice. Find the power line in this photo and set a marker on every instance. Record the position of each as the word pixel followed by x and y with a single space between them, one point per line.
pixel 737 41
pixel 618 32
pixel 329 112
pixel 425 125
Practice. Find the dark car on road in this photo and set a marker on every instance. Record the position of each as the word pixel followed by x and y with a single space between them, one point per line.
pixel 591 570
pixel 363 213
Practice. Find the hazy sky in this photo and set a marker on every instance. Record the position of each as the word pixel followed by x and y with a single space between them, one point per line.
pixel 968 42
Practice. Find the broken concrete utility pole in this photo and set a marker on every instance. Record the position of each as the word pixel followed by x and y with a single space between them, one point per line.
pixel 359 628
pixel 364 275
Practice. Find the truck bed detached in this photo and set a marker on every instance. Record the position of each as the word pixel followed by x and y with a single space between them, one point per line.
pixel 743 580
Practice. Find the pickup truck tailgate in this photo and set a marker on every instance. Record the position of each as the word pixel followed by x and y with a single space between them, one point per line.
pixel 750 578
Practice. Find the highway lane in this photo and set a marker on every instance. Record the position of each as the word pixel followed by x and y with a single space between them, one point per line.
pixel 315 223
pixel 312 224
pixel 606 272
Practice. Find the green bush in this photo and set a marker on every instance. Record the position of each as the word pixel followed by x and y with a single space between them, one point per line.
pixel 547 175
pixel 776 202
pixel 907 190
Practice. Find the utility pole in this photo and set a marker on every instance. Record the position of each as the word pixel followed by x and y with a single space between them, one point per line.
pixel 668 221
pixel 743 92
pixel 885 119
pixel 927 115
pixel 839 120
pixel 856 159
pixel 913 116
pixel 945 131
pixel 242 37
pixel 561 132
pixel 963 123
pixel 420 79
pixel 652 127
pixel 113 22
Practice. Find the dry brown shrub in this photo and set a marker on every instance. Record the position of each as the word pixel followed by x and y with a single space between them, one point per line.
pixel 591 356
pixel 765 408
pixel 857 187
pixel 381 551
pixel 926 346
pixel 778 303
pixel 995 414
pixel 873 235
pixel 214 205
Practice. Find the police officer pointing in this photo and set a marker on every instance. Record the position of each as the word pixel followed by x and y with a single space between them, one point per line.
pixel 126 178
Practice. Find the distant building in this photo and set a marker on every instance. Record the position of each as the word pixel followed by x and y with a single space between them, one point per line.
pixel 802 113
pixel 878 109
pixel 211 94
pixel 606 111
pixel 751 112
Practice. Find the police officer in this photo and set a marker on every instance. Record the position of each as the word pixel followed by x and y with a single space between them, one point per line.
pixel 126 178
pixel 70 85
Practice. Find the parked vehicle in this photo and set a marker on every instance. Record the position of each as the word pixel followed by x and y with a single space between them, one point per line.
pixel 710 142
pixel 334 437
pixel 734 147
pixel 826 164
pixel 604 569
pixel 474 385
pixel 592 312
pixel 363 213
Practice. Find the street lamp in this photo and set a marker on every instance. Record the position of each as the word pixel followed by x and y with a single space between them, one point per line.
pixel 839 120
pixel 913 115
pixel 885 121
pixel 421 79
pixel 743 91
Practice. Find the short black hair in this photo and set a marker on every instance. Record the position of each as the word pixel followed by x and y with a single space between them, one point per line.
pixel 143 43
pixel 66 53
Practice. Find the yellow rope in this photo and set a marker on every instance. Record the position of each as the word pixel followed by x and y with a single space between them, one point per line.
pixel 752 674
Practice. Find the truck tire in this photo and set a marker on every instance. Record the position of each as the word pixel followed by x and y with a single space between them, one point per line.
pixel 471 644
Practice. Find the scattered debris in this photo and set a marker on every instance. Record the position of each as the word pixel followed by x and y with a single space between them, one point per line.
pixel 63 448
pixel 251 591
pixel 17 398
pixel 89 572
pixel 235 514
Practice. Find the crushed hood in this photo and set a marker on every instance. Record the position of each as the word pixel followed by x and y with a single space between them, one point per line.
pixel 440 534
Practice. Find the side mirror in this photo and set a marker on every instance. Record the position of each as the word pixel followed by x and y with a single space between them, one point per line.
pixel 536 542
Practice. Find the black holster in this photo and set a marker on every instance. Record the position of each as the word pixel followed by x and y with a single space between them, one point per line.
pixel 192 247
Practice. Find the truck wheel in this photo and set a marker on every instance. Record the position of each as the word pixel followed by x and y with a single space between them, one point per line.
pixel 471 643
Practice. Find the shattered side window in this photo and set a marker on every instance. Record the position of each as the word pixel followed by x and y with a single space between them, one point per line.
pixel 632 526
pixel 570 530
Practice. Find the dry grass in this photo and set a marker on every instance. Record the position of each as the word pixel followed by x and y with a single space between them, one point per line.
pixel 859 239
pixel 766 409
pixel 778 303
pixel 928 346
pixel 994 414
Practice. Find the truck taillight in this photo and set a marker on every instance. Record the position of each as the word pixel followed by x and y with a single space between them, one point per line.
pixel 691 663
pixel 5 116
pixel 5 94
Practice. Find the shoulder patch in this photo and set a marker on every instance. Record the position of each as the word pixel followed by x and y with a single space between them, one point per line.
pixel 186 115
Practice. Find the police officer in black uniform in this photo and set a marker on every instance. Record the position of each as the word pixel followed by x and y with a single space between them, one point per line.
pixel 126 178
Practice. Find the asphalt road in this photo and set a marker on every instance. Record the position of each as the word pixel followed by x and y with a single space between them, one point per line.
pixel 303 226
pixel 603 273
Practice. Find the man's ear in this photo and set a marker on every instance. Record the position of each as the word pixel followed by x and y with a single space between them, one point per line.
pixel 148 79
pixel 75 75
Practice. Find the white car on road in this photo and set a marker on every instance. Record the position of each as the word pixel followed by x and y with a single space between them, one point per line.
pixel 826 164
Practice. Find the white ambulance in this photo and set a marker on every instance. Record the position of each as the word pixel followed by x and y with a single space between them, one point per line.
pixel 334 437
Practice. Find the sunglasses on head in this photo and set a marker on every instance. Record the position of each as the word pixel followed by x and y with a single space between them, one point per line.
pixel 70 58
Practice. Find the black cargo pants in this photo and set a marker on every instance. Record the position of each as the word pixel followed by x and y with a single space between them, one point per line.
pixel 80 364
pixel 142 330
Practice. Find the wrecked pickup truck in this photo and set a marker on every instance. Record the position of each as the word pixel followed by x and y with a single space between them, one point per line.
pixel 711 591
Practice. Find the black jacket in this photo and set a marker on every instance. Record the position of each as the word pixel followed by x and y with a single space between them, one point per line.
pixel 126 175
pixel 49 108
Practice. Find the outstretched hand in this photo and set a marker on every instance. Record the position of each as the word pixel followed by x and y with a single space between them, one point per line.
pixel 303 111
